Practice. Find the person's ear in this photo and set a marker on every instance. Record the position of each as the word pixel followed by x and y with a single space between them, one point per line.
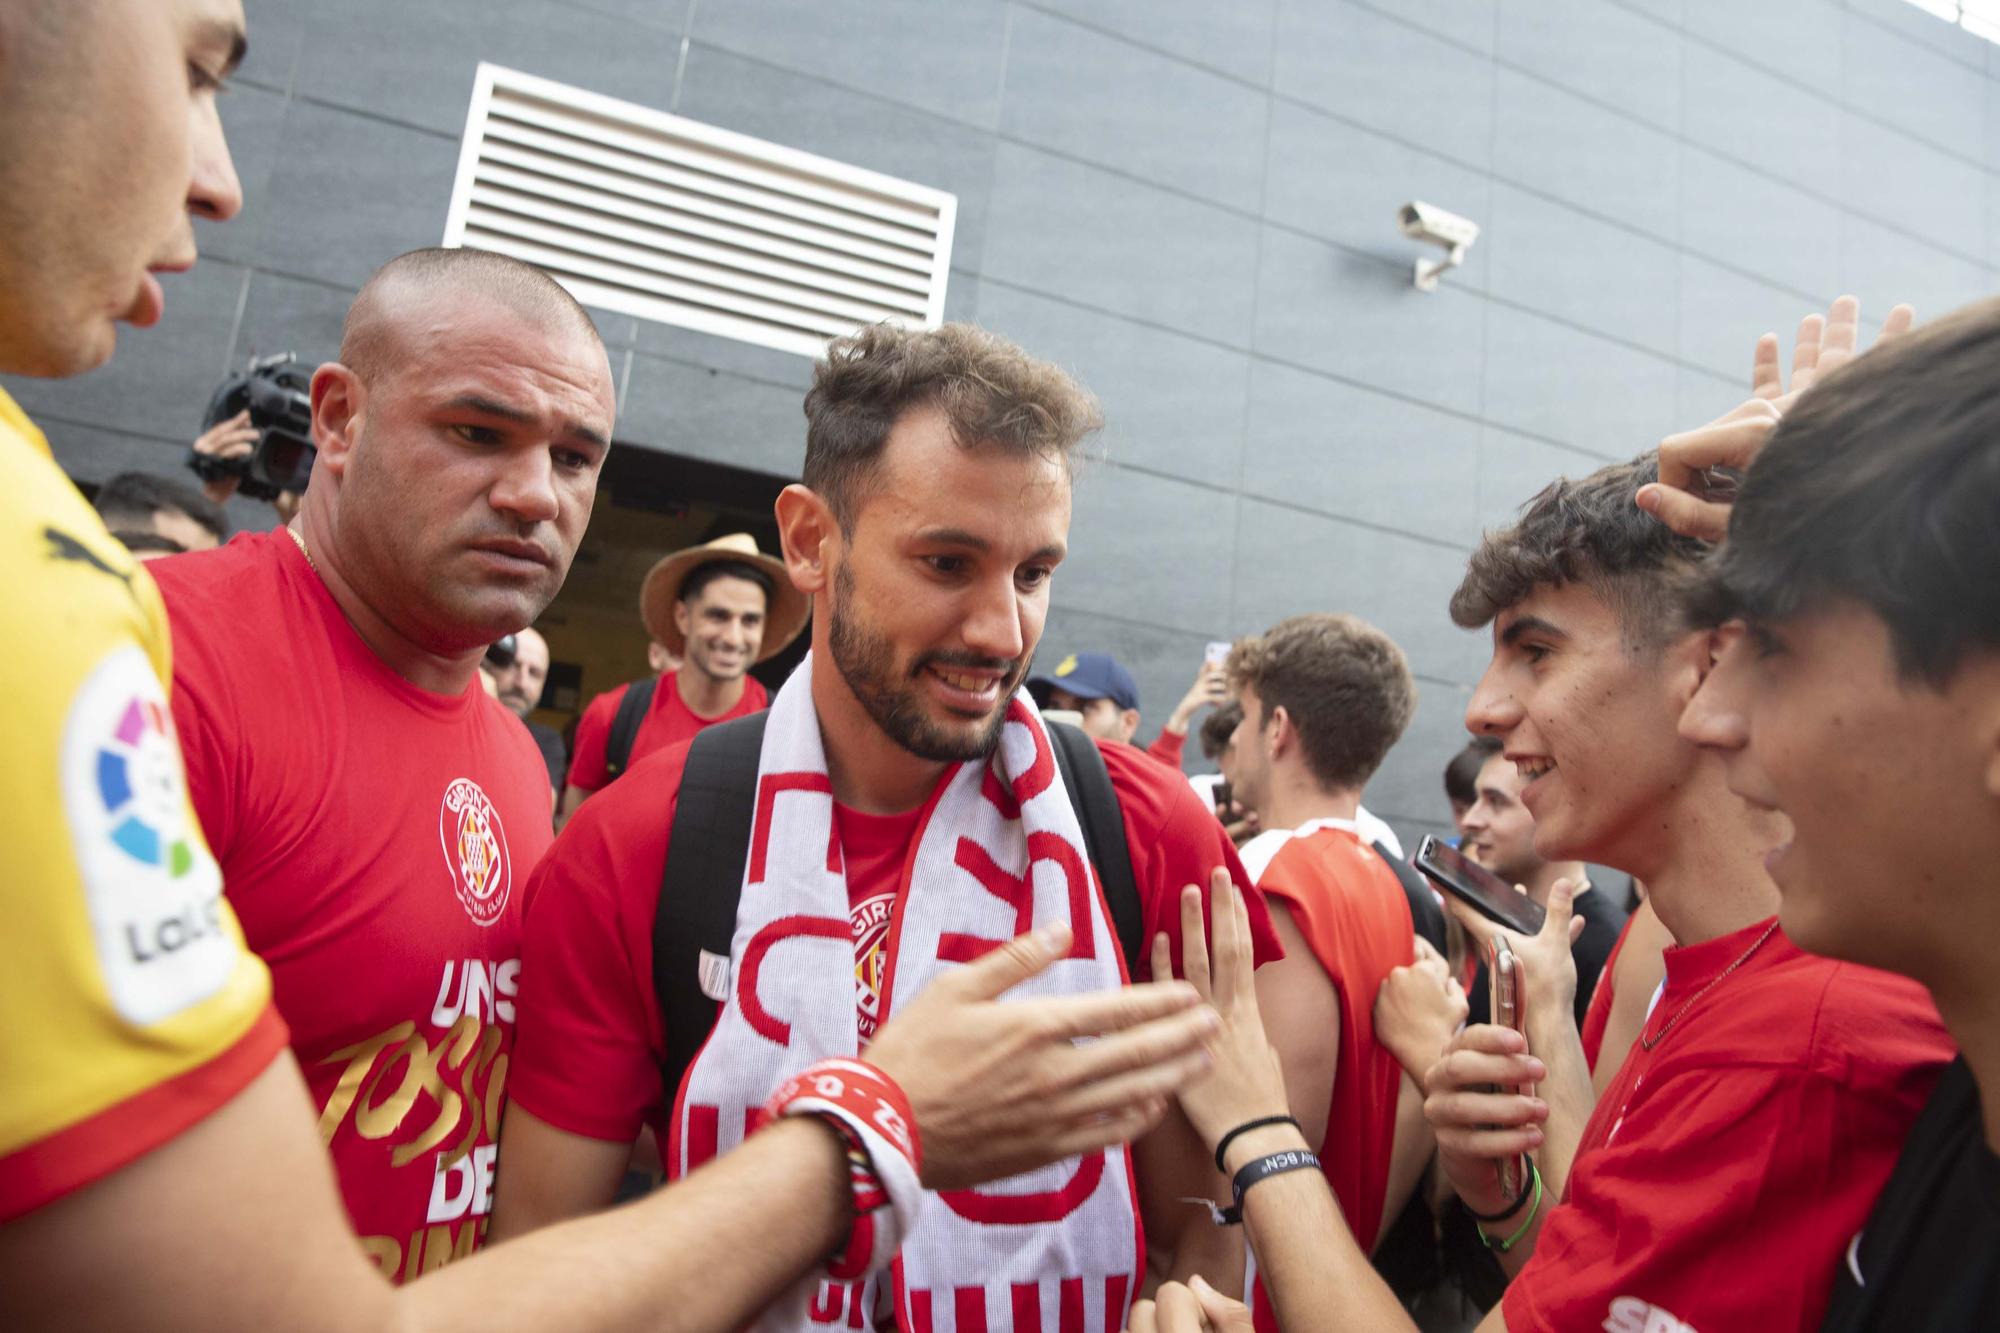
pixel 683 619
pixel 1283 735
pixel 1128 722
pixel 1687 661
pixel 809 536
pixel 339 410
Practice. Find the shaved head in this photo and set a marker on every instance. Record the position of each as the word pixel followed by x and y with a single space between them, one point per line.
pixel 372 340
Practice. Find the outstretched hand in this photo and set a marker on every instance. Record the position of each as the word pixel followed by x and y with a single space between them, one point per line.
pixel 1247 1082
pixel 998 1088
pixel 1698 467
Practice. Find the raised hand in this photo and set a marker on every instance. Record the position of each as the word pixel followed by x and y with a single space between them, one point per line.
pixel 1247 1083
pixel 1698 468
pixel 998 1088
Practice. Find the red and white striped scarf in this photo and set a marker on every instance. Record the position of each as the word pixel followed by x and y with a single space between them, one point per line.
pixel 997 852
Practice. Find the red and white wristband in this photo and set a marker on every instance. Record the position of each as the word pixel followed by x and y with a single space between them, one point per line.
pixel 884 1154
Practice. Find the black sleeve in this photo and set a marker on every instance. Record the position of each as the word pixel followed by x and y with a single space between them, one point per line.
pixel 1426 916
pixel 1602 923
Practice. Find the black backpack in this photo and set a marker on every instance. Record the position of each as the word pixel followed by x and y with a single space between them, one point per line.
pixel 710 841
pixel 625 725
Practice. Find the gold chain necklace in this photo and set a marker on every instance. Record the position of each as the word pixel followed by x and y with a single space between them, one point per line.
pixel 301 543
pixel 1648 1043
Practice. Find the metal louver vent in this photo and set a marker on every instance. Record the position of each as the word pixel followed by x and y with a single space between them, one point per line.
pixel 664 218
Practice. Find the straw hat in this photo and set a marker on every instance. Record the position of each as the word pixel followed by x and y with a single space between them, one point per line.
pixel 786 615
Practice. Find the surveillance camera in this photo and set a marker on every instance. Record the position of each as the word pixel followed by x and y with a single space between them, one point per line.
pixel 1429 223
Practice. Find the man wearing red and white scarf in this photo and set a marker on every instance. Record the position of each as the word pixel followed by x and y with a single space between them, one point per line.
pixel 910 817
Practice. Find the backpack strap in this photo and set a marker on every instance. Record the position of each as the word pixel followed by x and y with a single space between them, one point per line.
pixel 696 917
pixel 1426 917
pixel 625 725
pixel 1095 801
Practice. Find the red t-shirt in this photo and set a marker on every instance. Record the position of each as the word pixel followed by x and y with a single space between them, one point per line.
pixel 668 722
pixel 374 839
pixel 1598 1015
pixel 1723 1172
pixel 1168 748
pixel 591 1035
pixel 1350 907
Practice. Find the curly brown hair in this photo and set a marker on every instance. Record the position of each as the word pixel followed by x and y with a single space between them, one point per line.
pixel 992 394
pixel 1345 685
pixel 1588 532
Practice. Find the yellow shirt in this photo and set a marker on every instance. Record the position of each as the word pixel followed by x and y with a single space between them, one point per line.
pixel 129 1007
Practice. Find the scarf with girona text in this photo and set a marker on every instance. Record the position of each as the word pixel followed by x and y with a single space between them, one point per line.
pixel 998 851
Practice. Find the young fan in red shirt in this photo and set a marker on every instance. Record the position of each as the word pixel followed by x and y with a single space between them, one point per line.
pixel 935 509
pixel 720 608
pixel 1761 1065
pixel 1324 698
pixel 375 813
pixel 1719 1181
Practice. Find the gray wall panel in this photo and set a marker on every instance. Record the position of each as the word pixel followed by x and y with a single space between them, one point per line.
pixel 1883 267
pixel 351 192
pixel 1172 404
pixel 1918 90
pixel 416 62
pixel 942 58
pixel 1611 55
pixel 1087 235
pixel 1235 39
pixel 1073 90
pixel 1800 39
pixel 1290 562
pixel 1547 256
pixel 1740 216
pixel 1358 318
pixel 1368 67
pixel 1318 443
pixel 1577 388
pixel 1740 111
pixel 1574 150
pixel 1118 565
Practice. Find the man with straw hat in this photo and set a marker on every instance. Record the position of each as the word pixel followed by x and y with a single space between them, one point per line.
pixel 719 608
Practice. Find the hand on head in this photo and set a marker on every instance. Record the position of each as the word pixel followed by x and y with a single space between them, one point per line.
pixel 1001 1087
pixel 1691 496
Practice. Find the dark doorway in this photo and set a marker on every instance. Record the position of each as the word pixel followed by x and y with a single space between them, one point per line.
pixel 648 505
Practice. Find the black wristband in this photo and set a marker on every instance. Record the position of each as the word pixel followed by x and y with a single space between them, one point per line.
pixel 1245 1128
pixel 1292 1159
pixel 1514 1206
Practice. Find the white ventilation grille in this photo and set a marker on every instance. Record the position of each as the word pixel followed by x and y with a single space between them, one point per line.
pixel 668 219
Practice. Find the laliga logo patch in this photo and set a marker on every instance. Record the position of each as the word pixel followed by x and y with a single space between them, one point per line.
pixel 475 849
pixel 153 891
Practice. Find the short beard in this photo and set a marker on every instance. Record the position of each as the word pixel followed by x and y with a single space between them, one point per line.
pixel 867 662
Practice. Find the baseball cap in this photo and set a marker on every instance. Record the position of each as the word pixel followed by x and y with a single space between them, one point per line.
pixel 1089 676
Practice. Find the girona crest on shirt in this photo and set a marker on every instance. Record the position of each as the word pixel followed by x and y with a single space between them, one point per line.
pixel 475 850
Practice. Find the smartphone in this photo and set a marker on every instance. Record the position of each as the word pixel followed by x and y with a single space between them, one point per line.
pixel 1472 883
pixel 1504 983
pixel 1218 652
pixel 1223 796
